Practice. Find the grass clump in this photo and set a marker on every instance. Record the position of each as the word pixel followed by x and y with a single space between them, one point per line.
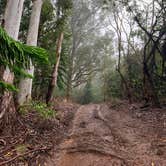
pixel 41 108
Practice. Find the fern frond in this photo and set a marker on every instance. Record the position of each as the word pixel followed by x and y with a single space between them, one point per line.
pixel 17 56
pixel 15 53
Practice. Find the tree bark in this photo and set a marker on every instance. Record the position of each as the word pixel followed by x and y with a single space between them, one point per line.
pixel 128 91
pixel 25 85
pixel 149 88
pixel 53 81
pixel 12 20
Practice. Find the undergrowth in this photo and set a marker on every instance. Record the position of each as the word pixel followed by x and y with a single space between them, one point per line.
pixel 41 108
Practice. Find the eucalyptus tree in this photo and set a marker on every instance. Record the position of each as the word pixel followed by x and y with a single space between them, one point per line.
pixel 47 38
pixel 12 18
pixel 14 56
pixel 25 86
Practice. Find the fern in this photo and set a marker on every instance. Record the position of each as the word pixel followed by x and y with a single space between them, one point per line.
pixel 7 86
pixel 14 53
pixel 17 56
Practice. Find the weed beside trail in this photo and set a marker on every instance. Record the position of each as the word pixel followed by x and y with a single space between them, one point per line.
pixel 37 132
pixel 41 108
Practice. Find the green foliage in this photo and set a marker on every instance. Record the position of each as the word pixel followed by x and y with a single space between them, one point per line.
pixel 15 54
pixel 48 33
pixel 113 85
pixel 2 7
pixel 87 96
pixel 7 86
pixel 27 9
pixel 132 71
pixel 41 108
pixel 21 72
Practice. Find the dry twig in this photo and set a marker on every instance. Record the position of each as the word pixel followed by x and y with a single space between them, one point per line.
pixel 24 154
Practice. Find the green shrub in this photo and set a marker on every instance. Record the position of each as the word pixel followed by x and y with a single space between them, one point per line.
pixel 41 108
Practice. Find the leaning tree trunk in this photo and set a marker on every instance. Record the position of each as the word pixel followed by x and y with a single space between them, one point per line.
pixel 25 86
pixel 53 81
pixel 12 20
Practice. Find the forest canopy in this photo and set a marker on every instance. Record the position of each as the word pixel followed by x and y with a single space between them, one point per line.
pixel 94 50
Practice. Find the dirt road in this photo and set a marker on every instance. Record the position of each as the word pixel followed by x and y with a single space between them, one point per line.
pixel 101 136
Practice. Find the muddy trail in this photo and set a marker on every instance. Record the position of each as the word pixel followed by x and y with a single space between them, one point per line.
pixel 91 135
pixel 104 136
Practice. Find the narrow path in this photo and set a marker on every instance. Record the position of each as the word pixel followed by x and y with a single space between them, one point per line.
pixel 104 137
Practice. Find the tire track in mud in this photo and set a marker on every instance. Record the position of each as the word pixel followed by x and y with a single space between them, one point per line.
pixel 104 137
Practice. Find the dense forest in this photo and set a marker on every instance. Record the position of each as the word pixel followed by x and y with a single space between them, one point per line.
pixel 60 56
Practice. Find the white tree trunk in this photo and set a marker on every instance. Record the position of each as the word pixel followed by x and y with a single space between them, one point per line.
pixel 25 86
pixel 12 18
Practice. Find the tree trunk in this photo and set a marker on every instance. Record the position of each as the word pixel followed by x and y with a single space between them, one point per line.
pixel 149 88
pixel 12 17
pixel 128 91
pixel 25 86
pixel 12 20
pixel 53 81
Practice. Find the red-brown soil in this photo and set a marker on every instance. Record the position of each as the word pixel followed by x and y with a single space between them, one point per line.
pixel 102 136
pixel 90 135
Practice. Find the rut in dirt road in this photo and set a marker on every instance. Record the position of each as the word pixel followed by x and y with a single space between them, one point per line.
pixel 104 137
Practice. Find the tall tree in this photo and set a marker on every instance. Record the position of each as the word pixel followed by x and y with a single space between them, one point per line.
pixel 25 85
pixel 54 76
pixel 53 81
pixel 153 26
pixel 63 8
pixel 12 20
